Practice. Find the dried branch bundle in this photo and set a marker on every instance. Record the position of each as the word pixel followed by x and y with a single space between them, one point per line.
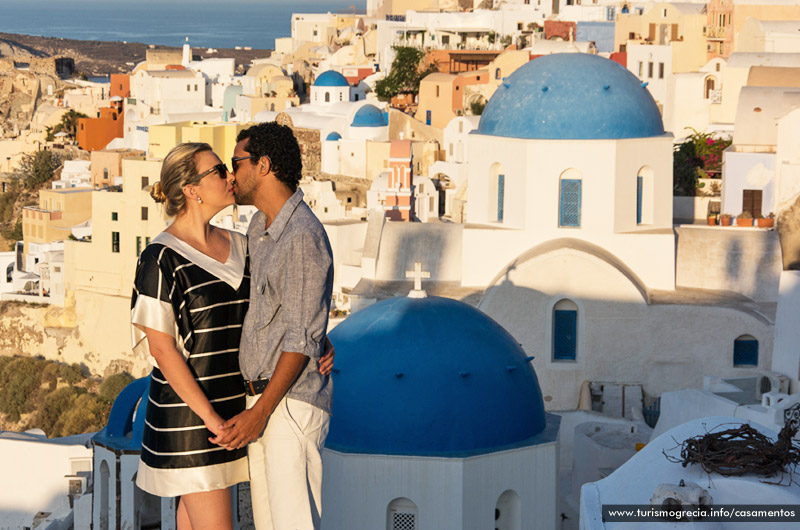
pixel 742 450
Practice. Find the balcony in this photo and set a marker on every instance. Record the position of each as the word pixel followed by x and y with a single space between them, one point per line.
pixel 714 32
pixel 33 213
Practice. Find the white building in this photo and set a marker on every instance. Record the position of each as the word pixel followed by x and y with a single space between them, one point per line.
pixel 639 480
pixel 761 174
pixel 769 36
pixel 331 87
pixel 75 174
pixel 568 229
pixel 438 423
pixel 41 475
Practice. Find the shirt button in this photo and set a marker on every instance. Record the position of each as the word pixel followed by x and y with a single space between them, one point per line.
pixel 261 238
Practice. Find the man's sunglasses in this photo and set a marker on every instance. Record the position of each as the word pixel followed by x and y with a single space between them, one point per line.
pixel 235 161
pixel 221 168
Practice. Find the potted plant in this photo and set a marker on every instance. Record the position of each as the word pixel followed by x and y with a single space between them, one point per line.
pixel 712 220
pixel 725 219
pixel 744 219
pixel 766 222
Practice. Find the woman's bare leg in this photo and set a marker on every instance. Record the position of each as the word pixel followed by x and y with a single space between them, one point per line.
pixel 207 510
pixel 182 518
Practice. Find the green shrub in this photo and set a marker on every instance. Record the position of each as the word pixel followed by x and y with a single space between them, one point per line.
pixel 88 413
pixel 113 385
pixel 20 381
pixel 51 414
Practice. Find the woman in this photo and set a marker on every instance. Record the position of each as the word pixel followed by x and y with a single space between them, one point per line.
pixel 190 297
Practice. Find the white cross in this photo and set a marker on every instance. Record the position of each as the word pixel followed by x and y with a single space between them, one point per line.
pixel 418 274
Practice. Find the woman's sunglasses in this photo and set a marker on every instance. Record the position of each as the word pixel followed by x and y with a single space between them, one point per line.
pixel 220 168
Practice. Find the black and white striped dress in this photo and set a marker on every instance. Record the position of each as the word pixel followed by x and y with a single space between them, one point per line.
pixel 201 302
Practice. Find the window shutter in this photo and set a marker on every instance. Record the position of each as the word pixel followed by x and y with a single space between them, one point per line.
pixel 565 334
pixel 570 207
pixel 745 352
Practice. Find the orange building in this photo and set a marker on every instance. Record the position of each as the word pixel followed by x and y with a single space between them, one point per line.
pixel 399 205
pixel 120 85
pixel 96 133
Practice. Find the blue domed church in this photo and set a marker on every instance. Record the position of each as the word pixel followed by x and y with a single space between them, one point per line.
pixel 438 423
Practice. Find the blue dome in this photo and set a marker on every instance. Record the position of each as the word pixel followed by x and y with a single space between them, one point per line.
pixel 333 136
pixel 126 420
pixel 430 377
pixel 571 96
pixel 369 116
pixel 331 78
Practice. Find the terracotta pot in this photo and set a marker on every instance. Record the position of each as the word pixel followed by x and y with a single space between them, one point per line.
pixel 744 221
pixel 712 220
pixel 766 222
pixel 725 221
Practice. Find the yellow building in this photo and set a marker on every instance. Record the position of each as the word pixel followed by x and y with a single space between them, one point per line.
pixel 220 136
pixel 99 273
pixel 679 25
pixel 57 213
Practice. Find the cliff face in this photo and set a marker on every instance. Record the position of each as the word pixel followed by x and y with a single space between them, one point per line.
pixel 19 93
pixel 73 334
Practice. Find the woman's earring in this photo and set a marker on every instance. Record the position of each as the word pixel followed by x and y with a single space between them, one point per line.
pixel 200 200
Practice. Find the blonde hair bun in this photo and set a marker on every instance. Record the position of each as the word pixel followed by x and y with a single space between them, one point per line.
pixel 157 192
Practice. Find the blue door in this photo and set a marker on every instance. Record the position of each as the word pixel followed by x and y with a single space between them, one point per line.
pixel 427 117
pixel 565 334
pixel 570 203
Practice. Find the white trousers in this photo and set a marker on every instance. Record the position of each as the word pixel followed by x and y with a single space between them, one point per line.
pixel 286 467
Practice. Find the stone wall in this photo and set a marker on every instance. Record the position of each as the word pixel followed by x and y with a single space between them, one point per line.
pixel 742 260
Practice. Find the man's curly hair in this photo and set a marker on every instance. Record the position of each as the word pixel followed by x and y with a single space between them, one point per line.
pixel 278 143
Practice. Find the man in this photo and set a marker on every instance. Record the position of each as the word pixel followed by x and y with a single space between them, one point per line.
pixel 291 279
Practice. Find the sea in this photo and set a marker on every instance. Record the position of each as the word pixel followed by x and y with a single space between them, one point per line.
pixel 213 24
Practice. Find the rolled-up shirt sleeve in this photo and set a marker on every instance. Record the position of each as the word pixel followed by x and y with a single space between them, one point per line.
pixel 306 294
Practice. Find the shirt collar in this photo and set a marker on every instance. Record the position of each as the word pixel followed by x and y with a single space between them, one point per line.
pixel 282 219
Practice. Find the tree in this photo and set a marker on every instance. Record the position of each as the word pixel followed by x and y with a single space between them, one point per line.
pixel 37 168
pixel 407 71
pixel 476 107
pixel 69 122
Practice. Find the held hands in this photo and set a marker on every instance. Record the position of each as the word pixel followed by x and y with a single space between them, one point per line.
pixel 214 423
pixel 240 430
pixel 248 425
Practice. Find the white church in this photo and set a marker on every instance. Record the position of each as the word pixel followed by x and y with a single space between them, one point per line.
pixel 568 242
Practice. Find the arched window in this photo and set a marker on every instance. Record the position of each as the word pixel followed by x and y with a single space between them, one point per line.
pixel 105 173
pixel 507 513
pixel 644 196
pixel 710 84
pixel 497 73
pixel 327 97
pixel 10 273
pixel 497 193
pixel 745 351
pixel 104 504
pixel 565 330
pixel 401 514
pixel 569 205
